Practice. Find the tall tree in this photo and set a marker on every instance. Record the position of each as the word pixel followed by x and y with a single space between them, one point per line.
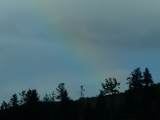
pixel 62 93
pixel 135 79
pixel 147 78
pixel 32 96
pixel 110 87
pixel 14 101
pixel 29 97
pixel 81 91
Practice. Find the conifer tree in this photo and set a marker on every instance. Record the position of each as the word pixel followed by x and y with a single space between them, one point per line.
pixel 32 96
pixel 29 97
pixel 62 93
pixel 135 79
pixel 4 105
pixel 14 101
pixel 147 78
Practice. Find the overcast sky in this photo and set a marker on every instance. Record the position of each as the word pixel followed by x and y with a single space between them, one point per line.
pixel 47 42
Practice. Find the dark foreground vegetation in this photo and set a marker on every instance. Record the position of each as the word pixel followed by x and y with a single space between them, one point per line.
pixel 140 102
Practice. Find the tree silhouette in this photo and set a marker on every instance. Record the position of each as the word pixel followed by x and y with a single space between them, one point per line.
pixel 4 105
pixel 49 97
pixel 14 101
pixel 29 97
pixel 62 93
pixel 23 97
pixel 135 79
pixel 52 96
pixel 140 102
pixel 147 78
pixel 110 86
pixel 32 96
pixel 81 91
pixel 46 98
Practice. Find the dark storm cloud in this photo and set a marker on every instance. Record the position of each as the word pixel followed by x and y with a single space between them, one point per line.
pixel 119 24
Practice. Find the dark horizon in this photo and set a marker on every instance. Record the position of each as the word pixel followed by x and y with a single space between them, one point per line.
pixel 141 101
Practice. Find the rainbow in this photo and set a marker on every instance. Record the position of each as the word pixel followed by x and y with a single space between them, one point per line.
pixel 45 21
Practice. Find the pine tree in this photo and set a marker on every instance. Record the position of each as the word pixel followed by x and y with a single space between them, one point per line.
pixel 62 93
pixel 32 96
pixel 4 105
pixel 29 97
pixel 135 79
pixel 147 78
pixel 14 101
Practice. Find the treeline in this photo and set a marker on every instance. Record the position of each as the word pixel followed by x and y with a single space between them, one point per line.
pixel 140 102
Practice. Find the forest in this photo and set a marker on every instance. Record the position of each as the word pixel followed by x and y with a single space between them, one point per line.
pixel 141 101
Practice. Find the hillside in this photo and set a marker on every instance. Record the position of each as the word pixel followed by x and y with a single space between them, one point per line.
pixel 142 104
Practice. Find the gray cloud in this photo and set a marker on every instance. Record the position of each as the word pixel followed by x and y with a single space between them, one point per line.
pixel 122 24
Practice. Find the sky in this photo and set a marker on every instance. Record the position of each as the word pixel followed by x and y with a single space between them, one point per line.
pixel 47 42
